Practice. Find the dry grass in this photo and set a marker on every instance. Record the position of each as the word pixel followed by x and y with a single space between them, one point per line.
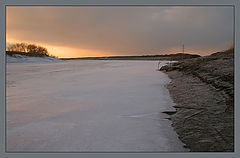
pixel 231 49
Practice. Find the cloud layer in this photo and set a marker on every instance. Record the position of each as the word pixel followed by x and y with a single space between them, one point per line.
pixel 124 30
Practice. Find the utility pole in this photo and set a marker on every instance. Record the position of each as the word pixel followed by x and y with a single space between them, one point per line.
pixel 183 48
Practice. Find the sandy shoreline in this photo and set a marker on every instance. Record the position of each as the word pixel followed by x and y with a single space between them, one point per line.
pixel 204 119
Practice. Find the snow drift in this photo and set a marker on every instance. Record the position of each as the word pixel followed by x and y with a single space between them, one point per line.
pixel 26 59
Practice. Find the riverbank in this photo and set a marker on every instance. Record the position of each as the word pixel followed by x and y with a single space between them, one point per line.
pixel 203 90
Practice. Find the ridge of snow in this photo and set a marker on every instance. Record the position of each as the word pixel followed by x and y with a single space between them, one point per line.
pixel 27 59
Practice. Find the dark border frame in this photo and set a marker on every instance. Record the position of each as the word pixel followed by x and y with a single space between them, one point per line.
pixel 132 3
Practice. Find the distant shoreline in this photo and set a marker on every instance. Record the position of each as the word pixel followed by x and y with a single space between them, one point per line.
pixel 178 56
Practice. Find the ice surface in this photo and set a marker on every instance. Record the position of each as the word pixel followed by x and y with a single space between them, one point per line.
pixel 89 106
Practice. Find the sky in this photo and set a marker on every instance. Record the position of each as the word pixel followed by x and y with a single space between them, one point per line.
pixel 81 31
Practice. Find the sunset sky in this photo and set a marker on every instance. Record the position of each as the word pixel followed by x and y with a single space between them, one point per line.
pixel 81 31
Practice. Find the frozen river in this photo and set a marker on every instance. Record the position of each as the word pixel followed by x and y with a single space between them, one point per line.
pixel 87 106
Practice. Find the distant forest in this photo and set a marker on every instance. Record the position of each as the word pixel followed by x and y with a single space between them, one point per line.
pixel 178 56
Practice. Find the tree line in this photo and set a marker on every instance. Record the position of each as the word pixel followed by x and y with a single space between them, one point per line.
pixel 27 49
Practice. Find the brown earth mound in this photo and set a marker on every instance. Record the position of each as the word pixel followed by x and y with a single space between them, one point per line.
pixel 203 89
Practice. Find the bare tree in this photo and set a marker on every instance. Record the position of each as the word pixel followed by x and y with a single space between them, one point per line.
pixel 28 49
pixel 31 48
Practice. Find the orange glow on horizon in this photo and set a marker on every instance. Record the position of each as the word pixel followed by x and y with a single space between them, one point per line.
pixel 68 52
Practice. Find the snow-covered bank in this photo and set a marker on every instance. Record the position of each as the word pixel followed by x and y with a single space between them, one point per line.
pixel 89 106
pixel 27 59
